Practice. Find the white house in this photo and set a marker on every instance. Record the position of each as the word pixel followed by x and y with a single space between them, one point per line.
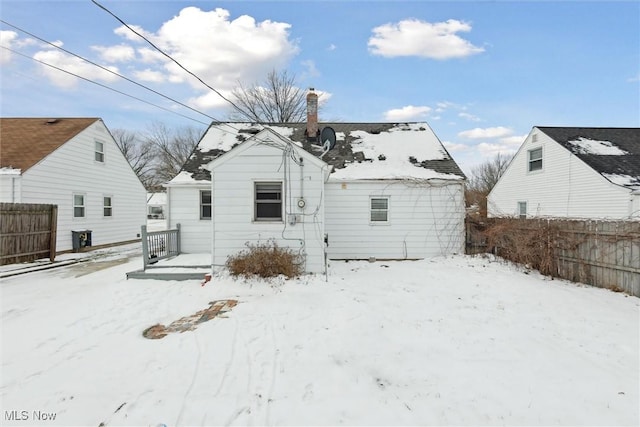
pixel 385 191
pixel 572 172
pixel 73 163
pixel 156 205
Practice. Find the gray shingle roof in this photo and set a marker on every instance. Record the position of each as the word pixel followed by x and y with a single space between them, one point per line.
pixel 346 152
pixel 626 140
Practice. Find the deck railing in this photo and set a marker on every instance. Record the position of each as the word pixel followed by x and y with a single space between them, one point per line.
pixel 157 245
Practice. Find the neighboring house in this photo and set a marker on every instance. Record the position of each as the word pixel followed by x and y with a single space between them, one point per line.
pixel 73 163
pixel 572 172
pixel 385 191
pixel 156 205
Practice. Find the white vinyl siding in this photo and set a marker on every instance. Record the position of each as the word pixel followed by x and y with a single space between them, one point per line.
pixel 379 209
pixel 183 207
pixel 78 205
pixel 234 224
pixel 427 220
pixel 59 176
pixel 567 188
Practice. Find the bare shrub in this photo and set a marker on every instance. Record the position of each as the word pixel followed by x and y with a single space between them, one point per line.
pixel 265 260
pixel 528 242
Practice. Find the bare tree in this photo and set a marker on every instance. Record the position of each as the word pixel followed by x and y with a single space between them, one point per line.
pixel 140 155
pixel 483 178
pixel 171 148
pixel 277 100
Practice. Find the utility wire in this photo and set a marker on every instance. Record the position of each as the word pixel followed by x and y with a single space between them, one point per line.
pixel 107 69
pixel 172 59
pixel 104 86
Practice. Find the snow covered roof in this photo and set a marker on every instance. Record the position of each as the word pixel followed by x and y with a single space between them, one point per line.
pixel 363 151
pixel 156 198
pixel 612 152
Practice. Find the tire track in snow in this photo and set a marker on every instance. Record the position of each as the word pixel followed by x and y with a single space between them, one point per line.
pixel 232 358
pixel 196 371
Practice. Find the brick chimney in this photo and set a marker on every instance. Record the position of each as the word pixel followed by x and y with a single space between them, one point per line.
pixel 312 116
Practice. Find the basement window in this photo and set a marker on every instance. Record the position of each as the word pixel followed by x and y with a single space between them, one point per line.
pixel 535 159
pixel 268 201
pixel 379 209
pixel 205 204
pixel 99 151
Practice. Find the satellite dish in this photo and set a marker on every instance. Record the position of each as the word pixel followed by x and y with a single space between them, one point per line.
pixel 328 137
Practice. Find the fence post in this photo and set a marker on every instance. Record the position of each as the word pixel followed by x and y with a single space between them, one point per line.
pixel 54 232
pixel 145 248
pixel 178 238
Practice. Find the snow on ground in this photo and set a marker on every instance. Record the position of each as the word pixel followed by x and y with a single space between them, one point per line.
pixel 451 341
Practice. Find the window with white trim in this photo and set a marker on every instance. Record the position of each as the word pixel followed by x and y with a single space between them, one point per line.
pixel 99 151
pixel 78 206
pixel 379 209
pixel 522 210
pixel 107 207
pixel 268 201
pixel 535 159
pixel 205 204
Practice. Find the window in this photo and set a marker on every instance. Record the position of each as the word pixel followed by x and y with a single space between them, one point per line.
pixel 205 204
pixel 107 208
pixel 99 154
pixel 522 210
pixel 379 209
pixel 535 159
pixel 78 206
pixel 268 201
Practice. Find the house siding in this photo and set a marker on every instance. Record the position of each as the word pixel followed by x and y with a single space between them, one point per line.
pixel 72 169
pixel 184 208
pixel 424 220
pixel 233 200
pixel 565 187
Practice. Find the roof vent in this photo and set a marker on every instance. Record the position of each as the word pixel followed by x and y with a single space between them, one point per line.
pixel 52 121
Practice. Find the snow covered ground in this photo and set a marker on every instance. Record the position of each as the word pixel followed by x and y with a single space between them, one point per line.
pixel 450 341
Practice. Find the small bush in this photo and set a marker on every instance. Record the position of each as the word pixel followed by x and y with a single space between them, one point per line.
pixel 265 260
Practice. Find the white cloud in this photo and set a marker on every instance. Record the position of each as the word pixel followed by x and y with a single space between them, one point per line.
pixel 119 53
pixel 7 39
pixel 634 79
pixel 73 65
pixel 149 75
pixel 222 51
pixel 311 71
pixel 407 113
pixel 488 150
pixel 469 117
pixel 482 133
pixel 332 47
pixel 454 146
pixel 412 37
pixel 516 140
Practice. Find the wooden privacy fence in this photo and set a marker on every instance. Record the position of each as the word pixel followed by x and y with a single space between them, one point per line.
pixel 605 254
pixel 27 232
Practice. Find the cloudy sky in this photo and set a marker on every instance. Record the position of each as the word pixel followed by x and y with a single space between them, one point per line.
pixel 481 73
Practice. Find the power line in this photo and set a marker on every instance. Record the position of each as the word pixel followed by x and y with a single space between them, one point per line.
pixel 104 86
pixel 108 70
pixel 172 59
